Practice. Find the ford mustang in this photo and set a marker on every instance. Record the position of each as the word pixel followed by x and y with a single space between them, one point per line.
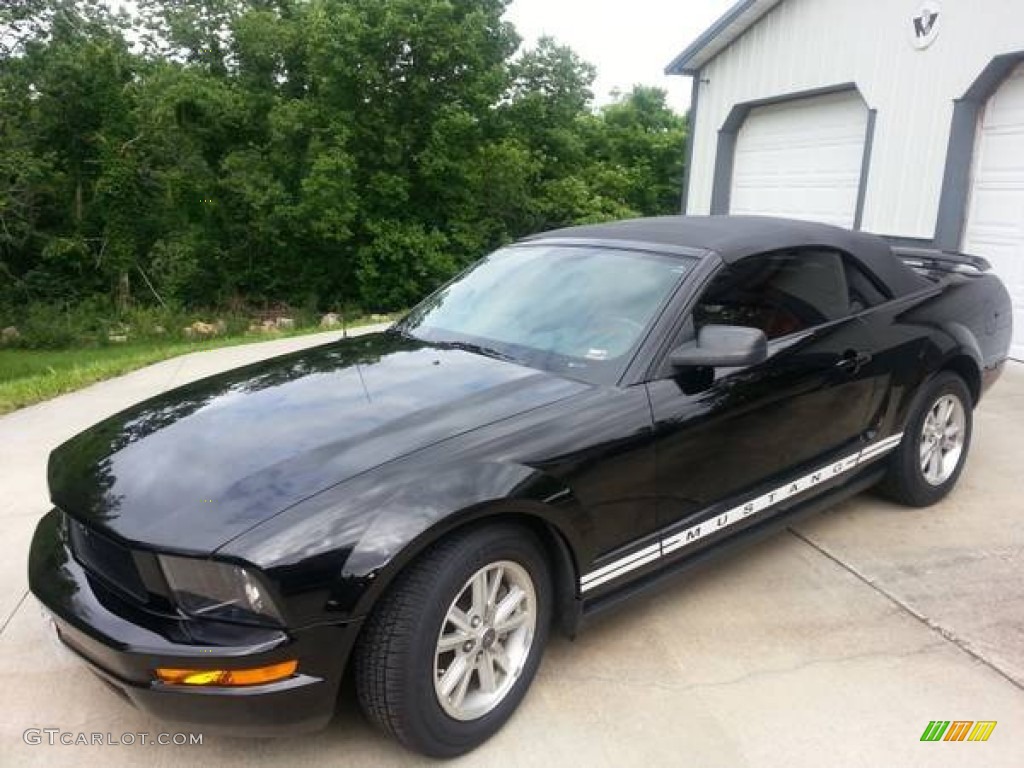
pixel 573 420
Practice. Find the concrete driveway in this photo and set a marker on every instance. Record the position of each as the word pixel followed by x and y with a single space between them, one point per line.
pixel 833 644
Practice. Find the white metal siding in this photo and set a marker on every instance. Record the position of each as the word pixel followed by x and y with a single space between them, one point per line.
pixel 805 44
pixel 801 159
pixel 995 222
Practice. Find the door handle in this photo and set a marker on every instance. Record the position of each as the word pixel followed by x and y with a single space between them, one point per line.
pixel 852 361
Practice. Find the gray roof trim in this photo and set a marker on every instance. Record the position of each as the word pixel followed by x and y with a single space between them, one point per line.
pixel 725 152
pixel 691 132
pixel 865 168
pixel 951 219
pixel 727 28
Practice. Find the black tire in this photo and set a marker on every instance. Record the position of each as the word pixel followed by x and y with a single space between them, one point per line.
pixel 395 656
pixel 905 480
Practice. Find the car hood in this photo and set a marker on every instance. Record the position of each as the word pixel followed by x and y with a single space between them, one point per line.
pixel 191 469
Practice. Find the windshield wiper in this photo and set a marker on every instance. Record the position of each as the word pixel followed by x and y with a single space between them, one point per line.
pixel 478 349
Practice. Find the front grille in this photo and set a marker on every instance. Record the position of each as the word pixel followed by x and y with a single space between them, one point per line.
pixel 107 560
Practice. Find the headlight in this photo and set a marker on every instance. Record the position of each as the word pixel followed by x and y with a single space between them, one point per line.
pixel 218 590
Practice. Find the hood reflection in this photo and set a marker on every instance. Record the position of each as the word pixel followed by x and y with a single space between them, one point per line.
pixel 195 467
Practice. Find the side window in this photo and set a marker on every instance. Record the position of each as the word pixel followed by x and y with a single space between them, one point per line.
pixel 781 293
pixel 864 293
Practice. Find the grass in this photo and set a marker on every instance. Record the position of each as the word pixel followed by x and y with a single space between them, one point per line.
pixel 29 376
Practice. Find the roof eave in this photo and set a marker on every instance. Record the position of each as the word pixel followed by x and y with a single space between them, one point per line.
pixel 690 61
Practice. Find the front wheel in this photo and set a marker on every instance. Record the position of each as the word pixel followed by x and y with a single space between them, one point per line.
pixel 448 654
pixel 934 448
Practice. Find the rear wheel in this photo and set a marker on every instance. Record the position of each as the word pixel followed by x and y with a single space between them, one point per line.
pixel 451 649
pixel 934 448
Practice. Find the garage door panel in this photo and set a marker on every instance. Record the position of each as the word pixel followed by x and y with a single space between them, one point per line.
pixel 997 208
pixel 801 159
pixel 1005 107
pixel 1002 156
pixel 995 220
pixel 792 202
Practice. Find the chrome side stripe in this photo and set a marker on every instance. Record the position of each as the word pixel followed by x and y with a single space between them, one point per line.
pixel 882 446
pixel 621 567
pixel 731 516
pixel 649 555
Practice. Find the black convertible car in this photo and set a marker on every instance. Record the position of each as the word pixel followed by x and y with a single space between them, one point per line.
pixel 571 421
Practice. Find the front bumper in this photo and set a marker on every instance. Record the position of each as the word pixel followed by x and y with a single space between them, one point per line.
pixel 123 643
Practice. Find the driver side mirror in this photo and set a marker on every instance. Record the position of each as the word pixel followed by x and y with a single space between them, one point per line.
pixel 722 346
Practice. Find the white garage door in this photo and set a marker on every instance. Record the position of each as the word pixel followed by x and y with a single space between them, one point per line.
pixel 995 217
pixel 801 159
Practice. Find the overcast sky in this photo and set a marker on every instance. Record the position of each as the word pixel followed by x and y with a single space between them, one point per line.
pixel 629 41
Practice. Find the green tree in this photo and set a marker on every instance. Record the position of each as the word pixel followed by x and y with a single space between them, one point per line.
pixel 316 152
pixel 641 137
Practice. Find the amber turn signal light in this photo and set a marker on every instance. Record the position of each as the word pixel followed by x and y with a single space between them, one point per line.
pixel 251 676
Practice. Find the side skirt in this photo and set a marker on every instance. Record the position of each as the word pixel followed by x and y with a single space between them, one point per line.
pixel 659 579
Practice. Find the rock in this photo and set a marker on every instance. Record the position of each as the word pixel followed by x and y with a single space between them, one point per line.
pixel 159 330
pixel 285 323
pixel 379 318
pixel 200 330
pixel 9 335
pixel 220 327
pixel 269 326
pixel 330 320
pixel 255 328
pixel 117 338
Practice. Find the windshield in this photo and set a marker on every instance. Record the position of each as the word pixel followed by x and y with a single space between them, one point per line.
pixel 577 310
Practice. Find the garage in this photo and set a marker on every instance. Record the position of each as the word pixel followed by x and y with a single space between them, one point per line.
pixel 995 221
pixel 802 159
pixel 904 120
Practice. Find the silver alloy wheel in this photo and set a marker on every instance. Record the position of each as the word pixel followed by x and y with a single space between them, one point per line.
pixel 942 439
pixel 485 639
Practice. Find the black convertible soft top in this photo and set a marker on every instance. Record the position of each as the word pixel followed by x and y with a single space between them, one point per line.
pixel 734 237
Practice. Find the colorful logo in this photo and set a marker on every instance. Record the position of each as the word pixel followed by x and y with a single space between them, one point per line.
pixel 958 730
